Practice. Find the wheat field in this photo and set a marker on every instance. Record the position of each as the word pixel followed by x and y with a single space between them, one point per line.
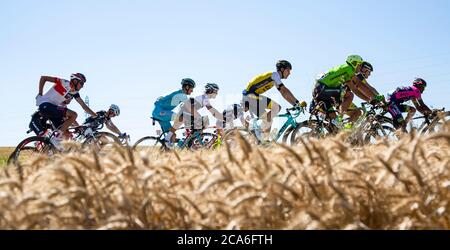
pixel 319 184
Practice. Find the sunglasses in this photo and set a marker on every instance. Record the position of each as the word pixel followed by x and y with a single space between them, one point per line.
pixel 80 82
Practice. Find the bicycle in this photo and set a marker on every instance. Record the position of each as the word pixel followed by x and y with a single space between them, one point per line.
pixel 88 135
pixel 433 122
pixel 370 125
pixel 253 135
pixel 194 139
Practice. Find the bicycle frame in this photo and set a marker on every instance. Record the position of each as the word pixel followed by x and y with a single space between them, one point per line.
pixel 427 122
pixel 290 122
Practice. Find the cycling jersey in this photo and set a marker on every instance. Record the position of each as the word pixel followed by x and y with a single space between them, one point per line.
pixel 59 94
pixel 171 101
pixel 404 94
pixel 100 119
pixel 200 102
pixel 230 114
pixel 263 83
pixel 234 111
pixel 337 76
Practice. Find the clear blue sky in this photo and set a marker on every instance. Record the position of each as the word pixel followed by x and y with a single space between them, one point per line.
pixel 134 51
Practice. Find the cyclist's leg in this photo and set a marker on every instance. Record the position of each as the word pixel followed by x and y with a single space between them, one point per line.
pixel 70 118
pixel 396 114
pixel 178 121
pixel 251 101
pixel 274 110
pixel 411 112
pixel 165 125
pixel 60 116
pixel 329 96
pixel 353 112
pixel 348 100
pixel 164 118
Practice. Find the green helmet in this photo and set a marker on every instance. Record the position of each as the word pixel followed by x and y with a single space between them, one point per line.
pixel 354 60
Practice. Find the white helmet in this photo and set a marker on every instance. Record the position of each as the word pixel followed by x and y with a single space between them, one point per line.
pixel 212 87
pixel 115 109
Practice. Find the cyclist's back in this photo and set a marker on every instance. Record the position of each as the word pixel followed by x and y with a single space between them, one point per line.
pixel 96 121
pixel 172 100
pixel 404 94
pixel 337 76
pixel 262 83
pixel 60 94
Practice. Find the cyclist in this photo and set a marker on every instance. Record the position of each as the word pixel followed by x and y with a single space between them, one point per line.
pixel 53 104
pixel 231 113
pixel 400 95
pixel 164 106
pixel 104 117
pixel 189 111
pixel 338 86
pixel 258 104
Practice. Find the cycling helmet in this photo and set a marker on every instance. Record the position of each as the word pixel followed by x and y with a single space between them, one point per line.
pixel 212 87
pixel 354 60
pixel 188 81
pixel 283 64
pixel 78 76
pixel 419 82
pixel 115 109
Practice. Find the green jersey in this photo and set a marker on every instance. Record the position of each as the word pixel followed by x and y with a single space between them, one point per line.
pixel 338 76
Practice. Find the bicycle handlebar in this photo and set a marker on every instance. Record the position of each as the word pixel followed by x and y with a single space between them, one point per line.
pixel 430 116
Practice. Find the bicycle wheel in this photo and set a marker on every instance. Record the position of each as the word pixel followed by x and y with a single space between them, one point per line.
pixel 230 137
pixel 29 148
pixel 149 143
pixel 438 123
pixel 377 131
pixel 201 141
pixel 285 138
pixel 309 129
pixel 101 141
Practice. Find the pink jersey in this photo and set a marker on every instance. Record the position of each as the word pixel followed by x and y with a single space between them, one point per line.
pixel 404 94
pixel 59 94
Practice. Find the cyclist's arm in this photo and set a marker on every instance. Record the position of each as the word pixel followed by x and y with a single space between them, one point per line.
pixel 422 107
pixel 354 85
pixel 215 113
pixel 111 126
pixel 369 91
pixel 372 89
pixel 85 107
pixel 75 124
pixel 287 95
pixel 42 82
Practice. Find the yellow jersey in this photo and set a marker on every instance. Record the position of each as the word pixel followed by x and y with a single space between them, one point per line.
pixel 263 83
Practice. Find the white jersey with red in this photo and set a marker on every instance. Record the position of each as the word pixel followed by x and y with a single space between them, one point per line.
pixel 59 94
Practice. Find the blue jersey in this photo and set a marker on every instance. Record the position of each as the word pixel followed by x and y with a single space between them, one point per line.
pixel 170 102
